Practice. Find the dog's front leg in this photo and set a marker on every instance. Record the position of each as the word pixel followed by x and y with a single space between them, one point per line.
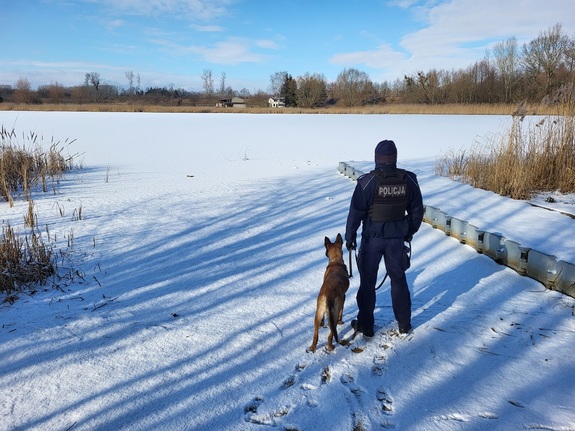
pixel 320 311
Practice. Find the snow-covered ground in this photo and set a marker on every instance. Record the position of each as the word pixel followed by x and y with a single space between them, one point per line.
pixel 196 264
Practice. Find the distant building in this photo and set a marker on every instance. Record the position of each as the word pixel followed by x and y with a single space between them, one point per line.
pixel 277 102
pixel 234 102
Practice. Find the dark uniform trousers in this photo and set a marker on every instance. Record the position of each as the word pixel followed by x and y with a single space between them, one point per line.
pixel 371 251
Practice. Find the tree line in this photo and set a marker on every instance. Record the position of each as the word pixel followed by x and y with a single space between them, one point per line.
pixel 541 70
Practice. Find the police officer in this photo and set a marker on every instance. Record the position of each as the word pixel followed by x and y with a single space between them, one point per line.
pixel 387 202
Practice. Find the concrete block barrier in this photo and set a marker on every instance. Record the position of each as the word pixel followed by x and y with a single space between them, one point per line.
pixel 565 278
pixel 514 256
pixel 492 245
pixel 542 267
pixel 459 229
pixel 472 236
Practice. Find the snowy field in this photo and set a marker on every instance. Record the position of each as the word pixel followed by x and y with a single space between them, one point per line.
pixel 197 262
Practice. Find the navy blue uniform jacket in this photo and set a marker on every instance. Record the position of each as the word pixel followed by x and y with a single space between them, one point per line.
pixel 363 198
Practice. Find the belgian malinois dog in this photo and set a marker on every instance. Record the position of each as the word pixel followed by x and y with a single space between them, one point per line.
pixel 331 296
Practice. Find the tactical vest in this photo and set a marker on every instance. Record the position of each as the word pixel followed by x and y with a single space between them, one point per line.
pixel 390 196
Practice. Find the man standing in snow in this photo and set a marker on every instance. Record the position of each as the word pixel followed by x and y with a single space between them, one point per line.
pixel 387 202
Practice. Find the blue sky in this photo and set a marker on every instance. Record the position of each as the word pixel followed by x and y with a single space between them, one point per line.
pixel 171 42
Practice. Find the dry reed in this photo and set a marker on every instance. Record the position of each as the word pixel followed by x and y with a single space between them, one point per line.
pixel 25 259
pixel 23 166
pixel 524 161
pixel 389 108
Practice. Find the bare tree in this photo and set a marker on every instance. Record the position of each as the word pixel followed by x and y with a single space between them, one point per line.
pixel 545 54
pixel 130 77
pixel 222 83
pixel 311 91
pixel 23 91
pixel 276 82
pixel 93 78
pixel 506 59
pixel 483 75
pixel 352 87
pixel 426 87
pixel 208 82
pixel 56 92
pixel 570 56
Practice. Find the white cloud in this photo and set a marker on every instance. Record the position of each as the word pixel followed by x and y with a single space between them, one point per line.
pixel 267 44
pixel 380 58
pixel 190 9
pixel 457 33
pixel 207 28
pixel 114 24
pixel 230 51
pixel 68 73
pixel 403 4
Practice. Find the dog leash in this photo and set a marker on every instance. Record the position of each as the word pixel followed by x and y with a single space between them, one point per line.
pixel 350 265
pixel 382 281
pixel 386 273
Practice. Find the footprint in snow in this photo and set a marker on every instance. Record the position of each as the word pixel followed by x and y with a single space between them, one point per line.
pixel 385 399
pixel 252 407
pixel 289 381
pixel 360 421
pixel 292 379
pixel 253 415
pixel 349 381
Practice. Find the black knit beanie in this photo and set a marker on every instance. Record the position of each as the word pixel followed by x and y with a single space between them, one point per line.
pixel 386 153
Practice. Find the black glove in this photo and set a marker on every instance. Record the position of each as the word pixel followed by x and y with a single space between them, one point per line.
pixel 350 245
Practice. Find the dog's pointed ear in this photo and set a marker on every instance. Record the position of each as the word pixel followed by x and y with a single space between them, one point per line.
pixel 339 239
pixel 326 241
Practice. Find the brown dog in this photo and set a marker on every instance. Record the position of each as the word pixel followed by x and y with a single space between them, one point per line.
pixel 331 296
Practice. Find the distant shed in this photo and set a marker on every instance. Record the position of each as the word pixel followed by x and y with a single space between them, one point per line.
pixel 234 102
pixel 277 102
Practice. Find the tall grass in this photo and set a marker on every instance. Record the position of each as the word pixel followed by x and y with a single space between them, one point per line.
pixel 26 259
pixel 388 108
pixel 26 165
pixel 525 160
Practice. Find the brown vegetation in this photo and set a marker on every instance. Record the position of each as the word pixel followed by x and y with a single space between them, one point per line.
pixel 396 108
pixel 26 260
pixel 22 168
pixel 523 161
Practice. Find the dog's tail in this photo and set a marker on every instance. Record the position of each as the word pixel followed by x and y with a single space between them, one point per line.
pixel 334 307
